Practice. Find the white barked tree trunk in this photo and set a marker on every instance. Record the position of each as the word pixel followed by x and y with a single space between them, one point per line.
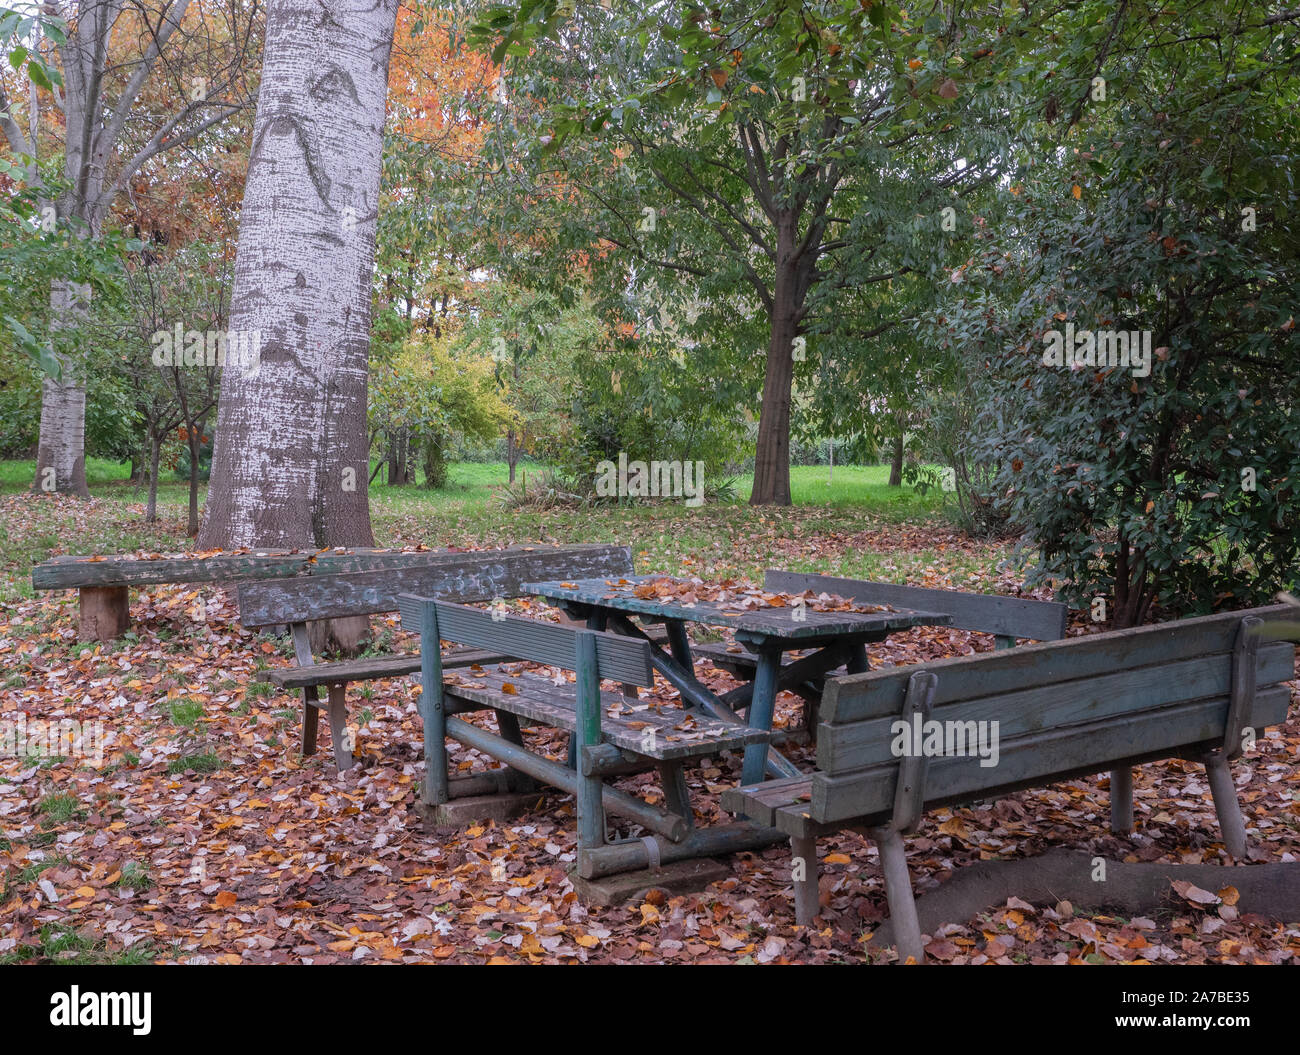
pixel 61 450
pixel 291 462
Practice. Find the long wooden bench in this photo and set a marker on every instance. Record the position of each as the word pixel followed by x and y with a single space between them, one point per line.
pixel 614 733
pixel 1196 688
pixel 1007 618
pixel 473 576
pixel 104 582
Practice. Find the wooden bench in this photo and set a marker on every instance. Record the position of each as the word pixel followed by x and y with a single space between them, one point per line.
pixel 1191 688
pixel 1008 618
pixel 472 576
pixel 614 733
pixel 104 582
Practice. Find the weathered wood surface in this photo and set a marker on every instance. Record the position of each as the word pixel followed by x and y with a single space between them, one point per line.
pixel 768 623
pixel 1192 728
pixel 654 818
pixel 618 658
pixel 629 855
pixel 660 733
pixel 759 802
pixel 73 572
pixel 1057 704
pixel 466 577
pixel 104 613
pixel 988 613
pixel 880 693
pixel 372 668
pixel 1063 710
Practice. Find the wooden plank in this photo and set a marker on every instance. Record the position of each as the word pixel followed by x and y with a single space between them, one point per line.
pixel 373 668
pixel 619 658
pixel 879 693
pixel 1044 758
pixel 70 572
pixel 854 745
pixel 104 613
pixel 909 792
pixel 624 723
pixel 990 613
pixel 759 802
pixel 659 820
pixel 476 576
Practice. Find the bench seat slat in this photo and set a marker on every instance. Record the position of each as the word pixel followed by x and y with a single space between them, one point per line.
pixel 759 802
pixel 854 745
pixel 373 668
pixel 677 734
pixel 1044 757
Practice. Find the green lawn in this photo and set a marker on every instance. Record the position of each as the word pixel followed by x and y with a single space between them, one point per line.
pixel 716 539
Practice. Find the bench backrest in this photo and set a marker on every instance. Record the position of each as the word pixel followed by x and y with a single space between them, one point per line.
pixel 622 659
pixel 467 577
pixel 1007 617
pixel 1066 708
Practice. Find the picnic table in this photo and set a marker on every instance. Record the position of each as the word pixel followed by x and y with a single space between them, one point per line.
pixel 768 626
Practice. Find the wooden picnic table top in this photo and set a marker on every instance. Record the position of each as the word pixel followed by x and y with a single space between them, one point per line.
pixel 747 613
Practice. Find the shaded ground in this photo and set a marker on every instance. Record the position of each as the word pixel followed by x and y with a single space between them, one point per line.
pixel 203 834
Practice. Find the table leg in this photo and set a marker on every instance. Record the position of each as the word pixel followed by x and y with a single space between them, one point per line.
pixel 761 708
pixel 598 619
pixel 859 662
pixel 679 643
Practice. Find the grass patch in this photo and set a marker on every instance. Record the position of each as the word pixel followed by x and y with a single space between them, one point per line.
pixel 185 713
pixel 67 945
pixel 205 762
pixel 58 809
pixel 135 876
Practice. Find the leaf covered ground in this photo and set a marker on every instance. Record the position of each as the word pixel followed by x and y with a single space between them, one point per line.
pixel 203 835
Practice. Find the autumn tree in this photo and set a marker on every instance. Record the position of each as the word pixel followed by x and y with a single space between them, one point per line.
pixel 187 57
pixel 767 151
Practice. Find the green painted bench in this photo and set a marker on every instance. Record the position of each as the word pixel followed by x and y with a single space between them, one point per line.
pixel 471 576
pixel 614 734
pixel 1007 618
pixel 1195 688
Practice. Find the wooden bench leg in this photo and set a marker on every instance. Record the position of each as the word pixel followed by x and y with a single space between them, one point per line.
pixel 1231 823
pixel 677 796
pixel 339 727
pixel 807 895
pixel 898 888
pixel 508 724
pixel 1121 800
pixel 105 612
pixel 310 706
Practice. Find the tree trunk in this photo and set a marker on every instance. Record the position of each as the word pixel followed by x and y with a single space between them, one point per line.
pixel 512 453
pixel 896 463
pixel 291 461
pixel 772 453
pixel 195 443
pixel 151 509
pixel 435 463
pixel 61 451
